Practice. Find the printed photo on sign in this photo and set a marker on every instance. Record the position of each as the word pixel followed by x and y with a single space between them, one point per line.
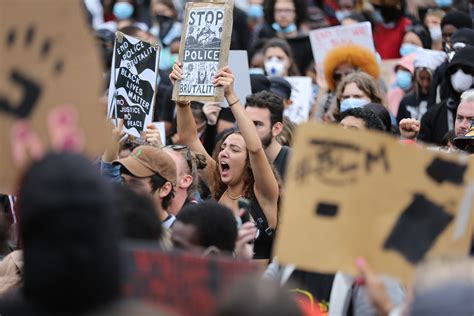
pixel 133 83
pixel 202 51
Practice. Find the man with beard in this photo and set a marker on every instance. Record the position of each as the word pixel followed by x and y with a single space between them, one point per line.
pixel 265 109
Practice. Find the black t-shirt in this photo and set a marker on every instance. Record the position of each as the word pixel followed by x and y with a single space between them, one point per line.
pixel 281 161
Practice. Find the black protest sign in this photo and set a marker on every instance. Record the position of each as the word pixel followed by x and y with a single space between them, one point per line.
pixel 182 282
pixel 132 85
pixel 50 84
pixel 205 44
pixel 357 193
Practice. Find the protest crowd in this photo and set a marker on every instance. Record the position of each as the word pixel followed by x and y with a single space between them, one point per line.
pixel 180 213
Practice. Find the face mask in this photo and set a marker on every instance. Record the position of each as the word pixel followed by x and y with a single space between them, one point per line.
pixel 167 59
pixel 289 29
pixel 435 33
pixel 352 103
pixel 444 3
pixel 274 67
pixel 404 80
pixel 165 23
pixel 255 11
pixel 407 49
pixel 123 10
pixel 342 14
pixel 377 16
pixel 461 81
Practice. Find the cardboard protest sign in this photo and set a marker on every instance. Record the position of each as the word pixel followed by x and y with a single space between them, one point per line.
pixel 182 282
pixel 50 84
pixel 204 49
pixel 132 85
pixel 239 63
pixel 354 193
pixel 325 39
pixel 301 97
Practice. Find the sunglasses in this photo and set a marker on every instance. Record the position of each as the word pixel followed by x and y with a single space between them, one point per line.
pixel 188 155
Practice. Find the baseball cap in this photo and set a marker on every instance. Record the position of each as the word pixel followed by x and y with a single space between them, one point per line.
pixel 145 161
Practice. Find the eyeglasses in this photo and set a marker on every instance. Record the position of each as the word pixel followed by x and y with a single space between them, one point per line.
pixel 188 155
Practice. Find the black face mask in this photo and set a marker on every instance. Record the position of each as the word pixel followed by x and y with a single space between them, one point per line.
pixel 165 23
pixel 390 14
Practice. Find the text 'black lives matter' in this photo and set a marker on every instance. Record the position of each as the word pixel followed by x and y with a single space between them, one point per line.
pixel 417 228
pixel 339 163
pixel 135 82
pixel 441 170
pixel 31 89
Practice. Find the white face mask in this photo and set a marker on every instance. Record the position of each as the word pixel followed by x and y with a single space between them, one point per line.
pixel 461 81
pixel 435 33
pixel 274 67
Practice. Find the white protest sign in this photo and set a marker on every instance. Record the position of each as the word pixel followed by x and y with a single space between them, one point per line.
pixel 132 85
pixel 301 98
pixel 160 126
pixel 238 62
pixel 325 39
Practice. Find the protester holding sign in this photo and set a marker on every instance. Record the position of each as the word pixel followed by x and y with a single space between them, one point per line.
pixel 239 167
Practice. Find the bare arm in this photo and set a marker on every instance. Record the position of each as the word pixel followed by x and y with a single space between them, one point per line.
pixel 266 185
pixel 187 130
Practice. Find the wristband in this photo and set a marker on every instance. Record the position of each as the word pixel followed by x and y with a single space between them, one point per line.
pixel 183 104
pixel 235 102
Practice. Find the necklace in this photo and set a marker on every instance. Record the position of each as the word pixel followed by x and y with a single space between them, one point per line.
pixel 232 197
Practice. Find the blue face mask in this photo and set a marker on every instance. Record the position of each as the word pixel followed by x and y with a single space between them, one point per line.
pixel 352 103
pixel 444 3
pixel 289 29
pixel 123 10
pixel 407 49
pixel 255 11
pixel 404 80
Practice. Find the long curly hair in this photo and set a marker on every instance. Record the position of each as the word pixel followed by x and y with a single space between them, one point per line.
pixel 219 186
pixel 361 58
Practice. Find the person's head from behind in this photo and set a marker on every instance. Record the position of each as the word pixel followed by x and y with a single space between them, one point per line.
pixel 452 22
pixel 69 233
pixel 233 164
pixel 443 286
pixel 346 59
pixel 278 58
pixel 356 90
pixel 361 118
pixel 382 113
pixel 150 170
pixel 204 228
pixel 282 88
pixel 254 296
pixel 137 214
pixel 465 113
pixel 265 109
